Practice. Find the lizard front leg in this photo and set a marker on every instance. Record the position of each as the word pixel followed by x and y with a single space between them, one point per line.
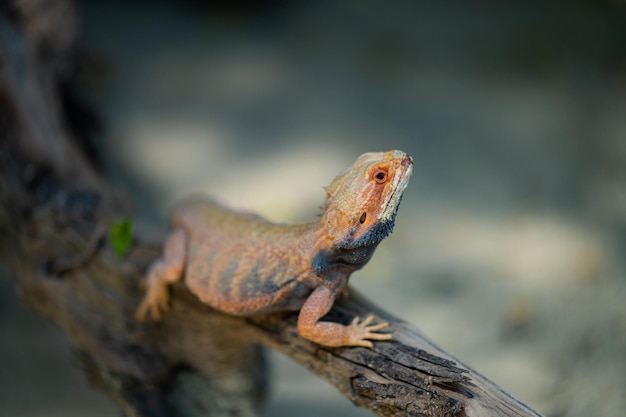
pixel 162 273
pixel 334 334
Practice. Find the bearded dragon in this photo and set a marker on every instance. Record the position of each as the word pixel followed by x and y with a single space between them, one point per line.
pixel 243 265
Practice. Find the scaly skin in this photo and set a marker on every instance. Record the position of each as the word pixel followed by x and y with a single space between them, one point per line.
pixel 243 265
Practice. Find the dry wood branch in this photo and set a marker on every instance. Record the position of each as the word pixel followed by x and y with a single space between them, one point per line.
pixel 55 208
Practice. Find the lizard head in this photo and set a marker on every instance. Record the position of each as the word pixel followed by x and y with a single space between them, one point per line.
pixel 362 203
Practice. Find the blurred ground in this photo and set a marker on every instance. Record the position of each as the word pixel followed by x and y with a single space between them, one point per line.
pixel 510 242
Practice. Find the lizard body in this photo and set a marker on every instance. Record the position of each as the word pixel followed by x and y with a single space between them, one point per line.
pixel 243 265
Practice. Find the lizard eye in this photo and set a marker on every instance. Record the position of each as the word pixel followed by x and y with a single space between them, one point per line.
pixel 363 217
pixel 380 176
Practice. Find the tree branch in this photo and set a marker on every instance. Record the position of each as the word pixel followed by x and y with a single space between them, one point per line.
pixel 56 210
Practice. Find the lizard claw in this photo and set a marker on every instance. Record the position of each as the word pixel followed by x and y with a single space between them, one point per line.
pixel 155 302
pixel 360 331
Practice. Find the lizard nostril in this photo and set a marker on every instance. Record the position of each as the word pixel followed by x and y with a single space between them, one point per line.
pixel 363 217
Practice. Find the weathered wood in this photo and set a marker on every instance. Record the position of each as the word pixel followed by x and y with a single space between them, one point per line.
pixel 55 210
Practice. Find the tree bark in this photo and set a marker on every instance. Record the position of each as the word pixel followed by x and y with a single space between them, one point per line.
pixel 55 215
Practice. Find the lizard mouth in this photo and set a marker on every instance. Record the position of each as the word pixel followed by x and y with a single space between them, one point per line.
pixel 400 181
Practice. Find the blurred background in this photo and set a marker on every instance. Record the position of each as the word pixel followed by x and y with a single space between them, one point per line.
pixel 509 244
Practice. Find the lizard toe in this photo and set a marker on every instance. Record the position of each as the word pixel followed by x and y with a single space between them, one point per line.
pixel 377 327
pixel 155 312
pixel 365 344
pixel 379 336
pixel 140 314
pixel 367 320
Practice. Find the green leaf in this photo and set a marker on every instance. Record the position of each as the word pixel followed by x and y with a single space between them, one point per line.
pixel 121 237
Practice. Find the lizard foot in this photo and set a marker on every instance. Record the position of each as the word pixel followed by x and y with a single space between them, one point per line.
pixel 360 331
pixel 155 302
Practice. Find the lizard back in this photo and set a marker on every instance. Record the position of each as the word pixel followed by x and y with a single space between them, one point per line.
pixel 241 263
